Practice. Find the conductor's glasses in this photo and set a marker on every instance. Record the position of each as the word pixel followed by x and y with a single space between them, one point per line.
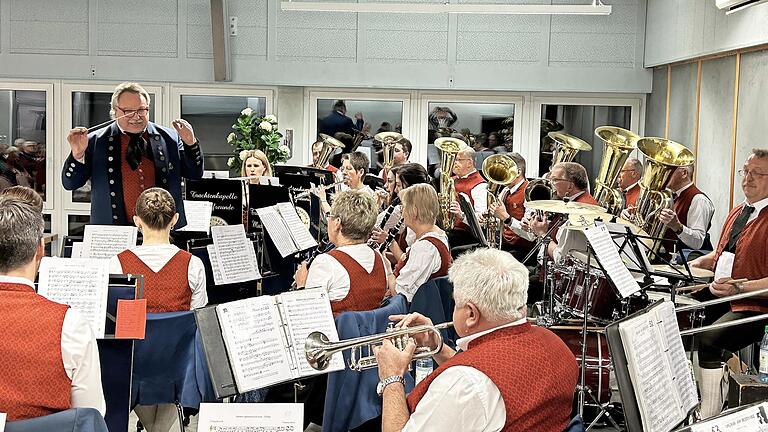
pixel 132 112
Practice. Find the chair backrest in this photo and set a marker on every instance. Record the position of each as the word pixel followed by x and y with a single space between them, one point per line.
pixel 434 300
pixel 74 420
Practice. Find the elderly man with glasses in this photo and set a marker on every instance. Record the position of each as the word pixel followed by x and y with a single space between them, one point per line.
pixel 129 156
pixel 469 183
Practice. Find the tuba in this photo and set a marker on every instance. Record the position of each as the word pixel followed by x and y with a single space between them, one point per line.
pixel 499 170
pixel 566 149
pixel 388 141
pixel 662 158
pixel 330 144
pixel 449 148
pixel 618 144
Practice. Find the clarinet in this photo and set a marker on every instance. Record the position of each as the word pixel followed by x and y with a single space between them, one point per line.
pixel 321 248
pixel 385 219
pixel 391 235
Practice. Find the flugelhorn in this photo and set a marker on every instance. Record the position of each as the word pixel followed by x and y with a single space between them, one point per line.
pixel 319 349
pixel 449 148
pixel 330 144
pixel 499 170
pixel 388 141
pixel 618 143
pixel 306 193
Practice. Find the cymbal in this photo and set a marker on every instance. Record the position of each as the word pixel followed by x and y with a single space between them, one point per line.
pixel 698 273
pixel 571 208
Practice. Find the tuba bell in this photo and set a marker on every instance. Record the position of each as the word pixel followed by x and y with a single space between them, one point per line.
pixel 566 148
pixel 388 141
pixel 499 170
pixel 618 144
pixel 330 144
pixel 449 148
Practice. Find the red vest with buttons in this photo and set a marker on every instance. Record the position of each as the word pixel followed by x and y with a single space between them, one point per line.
pixel 167 290
pixel 631 195
pixel 465 186
pixel 134 182
pixel 682 206
pixel 515 205
pixel 445 259
pixel 532 368
pixel 366 290
pixel 33 382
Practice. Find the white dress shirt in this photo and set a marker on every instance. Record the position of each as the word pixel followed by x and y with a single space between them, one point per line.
pixel 156 256
pixel 759 206
pixel 479 195
pixel 699 217
pixel 365 188
pixel 80 356
pixel 461 398
pixel 328 273
pixel 423 260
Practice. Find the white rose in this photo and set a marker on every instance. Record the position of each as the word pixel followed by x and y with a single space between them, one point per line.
pixel 230 161
pixel 246 112
pixel 271 118
pixel 243 155
pixel 267 126
pixel 284 149
pixel 231 137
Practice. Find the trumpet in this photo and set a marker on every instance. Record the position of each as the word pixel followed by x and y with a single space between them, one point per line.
pixel 306 193
pixel 319 349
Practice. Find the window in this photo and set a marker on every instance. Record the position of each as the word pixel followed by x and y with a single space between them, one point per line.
pixel 23 139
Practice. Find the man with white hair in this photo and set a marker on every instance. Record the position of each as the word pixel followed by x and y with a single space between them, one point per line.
pixel 689 220
pixel 469 183
pixel 508 376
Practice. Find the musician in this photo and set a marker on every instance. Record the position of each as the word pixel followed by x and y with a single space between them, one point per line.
pixel 740 253
pixel 513 210
pixel 629 181
pixel 174 279
pixel 402 151
pixel 24 194
pixel 691 216
pixel 317 146
pixel 354 274
pixel 255 165
pixel 467 181
pixel 337 121
pixel 354 166
pixel 49 353
pixel 429 255
pixel 509 376
pixel 131 155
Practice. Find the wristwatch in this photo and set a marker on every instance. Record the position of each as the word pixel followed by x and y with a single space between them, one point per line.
pixel 387 381
pixel 740 287
pixel 508 220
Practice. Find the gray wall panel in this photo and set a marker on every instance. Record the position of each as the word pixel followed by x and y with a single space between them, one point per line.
pixel 682 104
pixel 655 114
pixel 753 111
pixel 38 26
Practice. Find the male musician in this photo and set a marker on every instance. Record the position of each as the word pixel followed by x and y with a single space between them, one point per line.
pixel 337 121
pixel 497 381
pixel 740 253
pixel 131 155
pixel 513 210
pixel 469 182
pixel 691 217
pixel 317 146
pixel 49 354
pixel 402 151
pixel 629 180
pixel 354 274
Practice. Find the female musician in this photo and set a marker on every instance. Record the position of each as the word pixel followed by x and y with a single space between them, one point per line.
pixel 428 256
pixel 174 279
pixel 256 165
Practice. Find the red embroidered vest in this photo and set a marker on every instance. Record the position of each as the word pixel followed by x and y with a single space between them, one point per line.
pixel 533 369
pixel 682 206
pixel 167 290
pixel 465 186
pixel 134 182
pixel 33 381
pixel 366 290
pixel 445 259
pixel 631 196
pixel 515 205
pixel 751 261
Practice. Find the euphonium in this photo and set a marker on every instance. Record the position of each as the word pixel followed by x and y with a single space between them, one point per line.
pixel 618 144
pixel 662 158
pixel 499 170
pixel 330 144
pixel 449 148
pixel 388 141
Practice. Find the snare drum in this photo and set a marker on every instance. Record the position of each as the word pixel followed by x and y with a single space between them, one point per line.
pixel 598 360
pixel 603 305
pixel 685 320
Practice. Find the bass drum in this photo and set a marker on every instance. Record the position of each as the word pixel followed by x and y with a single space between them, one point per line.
pixel 598 359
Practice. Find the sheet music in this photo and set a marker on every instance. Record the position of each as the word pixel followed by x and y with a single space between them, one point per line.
pixel 242 417
pixel 215 266
pixel 277 230
pixel 678 362
pixel 269 181
pixel 235 254
pixel 299 232
pixel 608 256
pixel 2 421
pixel 751 419
pixel 77 250
pixel 306 311
pixel 198 215
pixel 81 283
pixel 106 241
pixel 253 335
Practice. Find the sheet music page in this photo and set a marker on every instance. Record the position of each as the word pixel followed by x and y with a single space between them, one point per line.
pixel 2 421
pixel 678 362
pixel 752 419
pixel 277 230
pixel 77 250
pixel 215 266
pixel 81 283
pixel 243 417
pixel 659 408
pixel 237 259
pixel 306 311
pixel 106 241
pixel 253 335
pixel 198 216
pixel 608 256
pixel 300 233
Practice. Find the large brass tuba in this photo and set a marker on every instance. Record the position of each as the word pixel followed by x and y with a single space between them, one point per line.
pixel 618 144
pixel 662 158
pixel 388 141
pixel 565 150
pixel 330 144
pixel 499 170
pixel 449 148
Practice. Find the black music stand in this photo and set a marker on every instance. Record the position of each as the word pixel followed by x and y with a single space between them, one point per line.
pixel 301 177
pixel 472 222
pixel 217 361
pixel 225 194
pixel 260 196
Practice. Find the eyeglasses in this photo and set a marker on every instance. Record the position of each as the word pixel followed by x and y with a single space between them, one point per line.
pixel 554 180
pixel 627 170
pixel 132 112
pixel 753 173
pixel 463 159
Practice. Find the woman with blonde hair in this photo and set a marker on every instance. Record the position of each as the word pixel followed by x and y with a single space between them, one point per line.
pixel 255 165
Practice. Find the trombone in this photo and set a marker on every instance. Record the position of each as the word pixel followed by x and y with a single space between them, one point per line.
pixel 723 324
pixel 319 349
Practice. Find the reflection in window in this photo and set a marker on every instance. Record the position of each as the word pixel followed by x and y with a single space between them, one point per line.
pixel 212 118
pixel 581 122
pixel 76 224
pixel 90 109
pixel 22 139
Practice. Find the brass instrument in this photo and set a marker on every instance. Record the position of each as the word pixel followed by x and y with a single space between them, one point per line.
pixel 566 149
pixel 499 170
pixel 618 144
pixel 330 144
pixel 539 189
pixel 449 148
pixel 388 141
pixel 319 349
pixel 726 323
pixel 306 193
pixel 662 158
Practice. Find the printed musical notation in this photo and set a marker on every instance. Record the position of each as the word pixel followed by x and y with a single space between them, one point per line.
pixel 198 215
pixel 235 254
pixel 263 417
pixel 106 241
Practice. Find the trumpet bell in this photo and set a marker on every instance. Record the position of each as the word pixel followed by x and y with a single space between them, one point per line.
pixel 315 349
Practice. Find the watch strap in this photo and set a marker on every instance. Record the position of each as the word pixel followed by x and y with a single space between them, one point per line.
pixel 390 380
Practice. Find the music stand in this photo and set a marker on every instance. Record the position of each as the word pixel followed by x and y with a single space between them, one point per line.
pixel 472 222
pixel 263 196
pixel 301 177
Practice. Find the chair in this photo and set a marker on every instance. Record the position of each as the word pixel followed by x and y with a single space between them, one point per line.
pixel 434 299
pixel 169 366
pixel 350 397
pixel 71 420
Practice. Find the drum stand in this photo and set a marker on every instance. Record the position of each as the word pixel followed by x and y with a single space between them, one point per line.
pixel 548 316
